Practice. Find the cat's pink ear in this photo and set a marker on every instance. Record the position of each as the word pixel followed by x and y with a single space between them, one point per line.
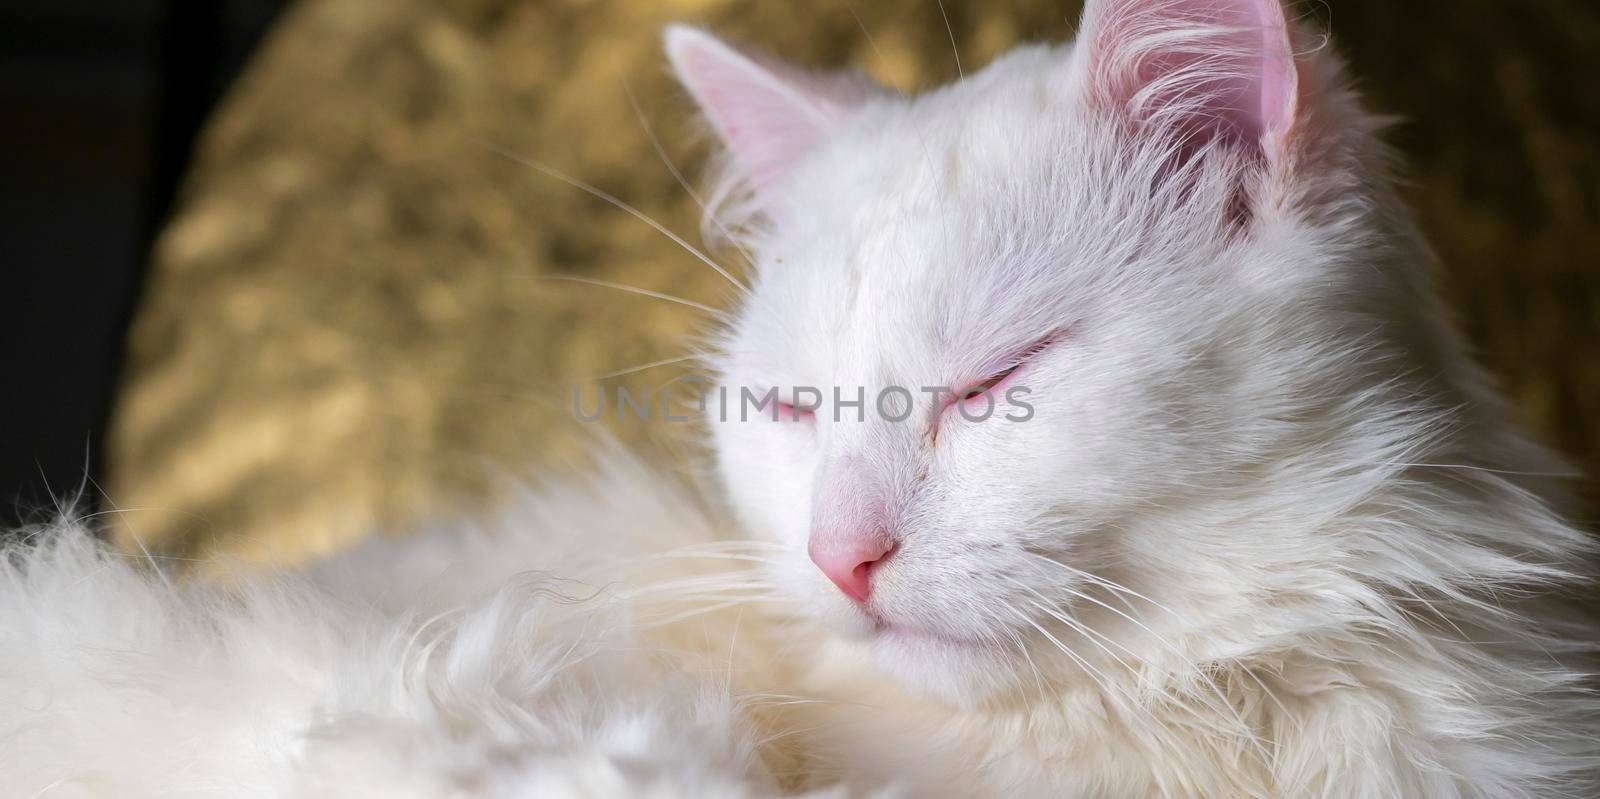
pixel 768 114
pixel 1208 68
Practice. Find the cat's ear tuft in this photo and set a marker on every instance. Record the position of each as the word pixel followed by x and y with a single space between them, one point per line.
pixel 1205 69
pixel 768 114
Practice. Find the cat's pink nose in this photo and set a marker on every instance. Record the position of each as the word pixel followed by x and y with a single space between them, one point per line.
pixel 848 561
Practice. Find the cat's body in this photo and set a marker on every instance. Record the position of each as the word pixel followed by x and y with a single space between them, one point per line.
pixel 1264 531
pixel 510 658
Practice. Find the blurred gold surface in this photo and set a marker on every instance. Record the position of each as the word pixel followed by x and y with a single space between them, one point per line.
pixel 346 330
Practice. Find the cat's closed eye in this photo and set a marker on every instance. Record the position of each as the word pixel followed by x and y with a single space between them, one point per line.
pixel 791 412
pixel 987 385
pixel 989 390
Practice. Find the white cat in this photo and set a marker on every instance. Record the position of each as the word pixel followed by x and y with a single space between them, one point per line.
pixel 1265 531
pixel 1255 526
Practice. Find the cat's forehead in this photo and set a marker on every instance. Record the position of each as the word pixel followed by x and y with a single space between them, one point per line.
pixel 837 294
pixel 915 283
pixel 936 224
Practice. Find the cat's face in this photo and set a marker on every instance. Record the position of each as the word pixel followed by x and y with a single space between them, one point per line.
pixel 1029 335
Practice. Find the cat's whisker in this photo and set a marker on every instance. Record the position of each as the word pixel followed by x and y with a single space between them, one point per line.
pixel 708 558
pixel 793 702
pixel 733 642
pixel 1110 585
pixel 871 42
pixel 1110 685
pixel 1471 468
pixel 764 696
pixel 712 583
pixel 762 742
pixel 709 583
pixel 734 556
pixel 1193 667
pixel 768 557
pixel 753 556
pixel 729 545
pixel 717 599
pixel 687 593
pixel 619 204
pixel 146 556
pixel 1038 678
pixel 645 367
pixel 741 543
pixel 674 618
pixel 960 74
pixel 133 532
pixel 594 281
pixel 1091 635
pixel 677 175
pixel 1087 597
pixel 1100 678
pixel 1081 628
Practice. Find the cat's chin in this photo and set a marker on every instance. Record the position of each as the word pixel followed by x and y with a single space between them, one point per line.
pixel 958 671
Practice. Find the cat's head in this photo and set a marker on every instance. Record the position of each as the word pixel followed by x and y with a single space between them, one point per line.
pixel 1133 259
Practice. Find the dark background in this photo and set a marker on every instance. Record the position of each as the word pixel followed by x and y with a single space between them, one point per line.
pixel 100 101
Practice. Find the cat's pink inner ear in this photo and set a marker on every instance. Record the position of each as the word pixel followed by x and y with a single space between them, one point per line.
pixel 768 115
pixel 1223 66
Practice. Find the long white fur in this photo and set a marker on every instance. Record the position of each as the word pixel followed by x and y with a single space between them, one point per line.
pixel 1269 533
pixel 457 664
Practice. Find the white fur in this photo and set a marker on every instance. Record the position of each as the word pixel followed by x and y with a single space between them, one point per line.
pixel 455 665
pixel 1268 533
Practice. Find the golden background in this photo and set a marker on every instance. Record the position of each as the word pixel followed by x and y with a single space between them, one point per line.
pixel 345 329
